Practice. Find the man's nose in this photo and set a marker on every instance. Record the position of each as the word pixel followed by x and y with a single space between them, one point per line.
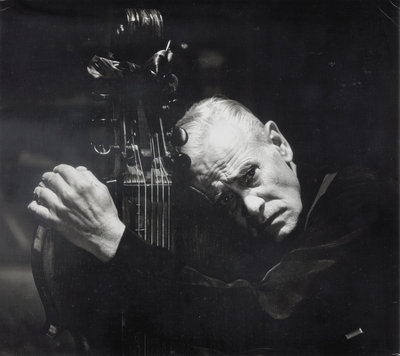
pixel 254 205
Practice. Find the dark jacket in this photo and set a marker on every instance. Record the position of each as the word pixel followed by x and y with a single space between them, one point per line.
pixel 330 288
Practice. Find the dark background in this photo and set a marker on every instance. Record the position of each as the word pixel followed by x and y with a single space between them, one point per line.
pixel 325 71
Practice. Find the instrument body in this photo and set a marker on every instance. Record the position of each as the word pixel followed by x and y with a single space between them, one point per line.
pixel 134 111
pixel 75 287
pixel 127 144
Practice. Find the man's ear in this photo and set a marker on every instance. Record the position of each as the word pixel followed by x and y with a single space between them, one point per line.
pixel 278 140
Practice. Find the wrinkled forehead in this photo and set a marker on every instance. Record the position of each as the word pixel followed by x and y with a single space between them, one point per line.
pixel 222 148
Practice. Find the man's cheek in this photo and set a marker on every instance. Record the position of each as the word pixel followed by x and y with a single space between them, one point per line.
pixel 240 219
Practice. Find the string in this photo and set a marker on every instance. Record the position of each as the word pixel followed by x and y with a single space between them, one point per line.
pixel 158 178
pixel 161 213
pixel 152 205
pixel 155 196
pixel 140 180
pixel 168 182
pixel 162 176
pixel 134 177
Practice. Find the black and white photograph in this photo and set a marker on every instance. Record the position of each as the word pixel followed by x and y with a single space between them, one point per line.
pixel 199 177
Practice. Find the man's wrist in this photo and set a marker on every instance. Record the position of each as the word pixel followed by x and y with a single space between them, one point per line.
pixel 109 244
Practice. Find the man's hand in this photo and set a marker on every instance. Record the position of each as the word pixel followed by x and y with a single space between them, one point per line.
pixel 76 204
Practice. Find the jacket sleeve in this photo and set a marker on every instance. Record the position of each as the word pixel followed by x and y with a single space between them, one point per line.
pixel 181 303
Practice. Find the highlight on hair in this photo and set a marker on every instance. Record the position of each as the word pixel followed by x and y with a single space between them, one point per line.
pixel 210 113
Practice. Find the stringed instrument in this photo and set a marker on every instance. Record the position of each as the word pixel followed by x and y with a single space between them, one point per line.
pixel 129 159
pixel 131 140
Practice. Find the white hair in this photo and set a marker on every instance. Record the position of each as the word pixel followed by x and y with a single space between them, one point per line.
pixel 208 114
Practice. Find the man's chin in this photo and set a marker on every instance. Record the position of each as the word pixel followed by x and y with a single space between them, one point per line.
pixel 276 232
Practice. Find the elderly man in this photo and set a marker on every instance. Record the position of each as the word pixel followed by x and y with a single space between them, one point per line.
pixel 333 287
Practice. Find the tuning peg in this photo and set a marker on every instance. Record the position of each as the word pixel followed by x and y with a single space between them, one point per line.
pixel 178 136
pixel 179 163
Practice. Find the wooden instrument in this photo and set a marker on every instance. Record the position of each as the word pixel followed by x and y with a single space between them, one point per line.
pixel 129 146
pixel 135 111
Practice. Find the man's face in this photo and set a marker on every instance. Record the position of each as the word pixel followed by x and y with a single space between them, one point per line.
pixel 252 179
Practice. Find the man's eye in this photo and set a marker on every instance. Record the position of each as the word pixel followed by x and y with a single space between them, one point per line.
pixel 248 178
pixel 227 201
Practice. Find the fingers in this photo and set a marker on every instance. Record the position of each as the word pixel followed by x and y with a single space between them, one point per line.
pixel 88 175
pixel 54 181
pixel 81 169
pixel 38 209
pixel 66 185
pixel 41 213
pixel 68 173
pixel 77 177
pixel 46 197
pixel 66 180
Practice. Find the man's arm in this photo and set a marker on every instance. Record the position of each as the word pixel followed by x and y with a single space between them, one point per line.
pixel 182 304
pixel 74 203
